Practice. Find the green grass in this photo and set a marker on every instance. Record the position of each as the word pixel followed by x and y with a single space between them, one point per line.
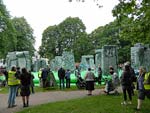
pixel 5 90
pixel 93 104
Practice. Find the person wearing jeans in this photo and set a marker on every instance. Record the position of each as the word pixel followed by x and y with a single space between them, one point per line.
pixel 13 83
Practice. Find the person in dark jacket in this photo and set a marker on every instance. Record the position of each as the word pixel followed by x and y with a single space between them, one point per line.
pixel 61 76
pixel 99 74
pixel 25 79
pixel 67 77
pixel 126 82
pixel 44 76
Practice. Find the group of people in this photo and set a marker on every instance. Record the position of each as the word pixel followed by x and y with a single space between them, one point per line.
pixel 22 79
pixel 127 79
pixel 143 84
pixel 46 77
pixel 62 75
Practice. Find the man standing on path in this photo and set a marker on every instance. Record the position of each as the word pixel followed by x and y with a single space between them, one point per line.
pixel 13 83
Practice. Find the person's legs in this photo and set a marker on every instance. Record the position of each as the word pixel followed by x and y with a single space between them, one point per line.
pixel 66 83
pixel 10 97
pixel 60 80
pixel 141 97
pixel 124 95
pixel 63 82
pixel 129 90
pixel 23 100
pixel 14 90
pixel 69 83
pixel 27 99
pixel 139 101
pixel 32 89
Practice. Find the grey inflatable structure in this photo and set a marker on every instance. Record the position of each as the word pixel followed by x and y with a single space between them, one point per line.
pixel 105 57
pixel 19 59
pixel 66 61
pixel 140 56
pixel 86 62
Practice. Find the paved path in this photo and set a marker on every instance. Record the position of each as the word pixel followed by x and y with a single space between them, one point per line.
pixel 43 97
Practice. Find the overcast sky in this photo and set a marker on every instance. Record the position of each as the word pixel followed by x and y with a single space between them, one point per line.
pixel 43 13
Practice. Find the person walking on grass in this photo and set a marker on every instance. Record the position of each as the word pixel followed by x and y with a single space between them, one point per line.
pixel 143 87
pixel 89 78
pixel 25 79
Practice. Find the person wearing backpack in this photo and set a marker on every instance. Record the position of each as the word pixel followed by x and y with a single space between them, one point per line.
pixel 143 87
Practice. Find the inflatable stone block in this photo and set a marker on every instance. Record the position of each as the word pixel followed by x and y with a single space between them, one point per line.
pixel 109 58
pixel 98 58
pixel 87 61
pixel 58 62
pixel 140 56
pixel 68 60
pixel 18 58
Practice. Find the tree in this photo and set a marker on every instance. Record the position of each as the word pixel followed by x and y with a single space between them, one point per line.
pixel 24 35
pixel 133 18
pixel 68 35
pixel 7 32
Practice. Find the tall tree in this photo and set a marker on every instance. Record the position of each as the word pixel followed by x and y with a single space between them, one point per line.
pixel 24 34
pixel 68 35
pixel 7 32
pixel 133 18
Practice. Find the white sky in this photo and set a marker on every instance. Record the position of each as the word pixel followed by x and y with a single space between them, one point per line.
pixel 43 13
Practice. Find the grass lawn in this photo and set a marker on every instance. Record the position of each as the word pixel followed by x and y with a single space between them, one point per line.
pixel 5 90
pixel 91 104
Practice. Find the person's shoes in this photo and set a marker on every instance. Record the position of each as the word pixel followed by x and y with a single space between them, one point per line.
pixel 130 102
pixel 89 94
pixel 14 105
pixel 124 103
pixel 9 106
pixel 136 109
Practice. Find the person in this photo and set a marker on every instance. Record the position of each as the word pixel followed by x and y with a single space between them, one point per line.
pixel 52 79
pixel 143 86
pixel 99 74
pixel 133 77
pixel 61 76
pixel 44 76
pixel 5 72
pixel 32 82
pixel 39 76
pixel 25 79
pixel 126 84
pixel 89 78
pixel 77 72
pixel 13 83
pixel 18 72
pixel 115 78
pixel 67 77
